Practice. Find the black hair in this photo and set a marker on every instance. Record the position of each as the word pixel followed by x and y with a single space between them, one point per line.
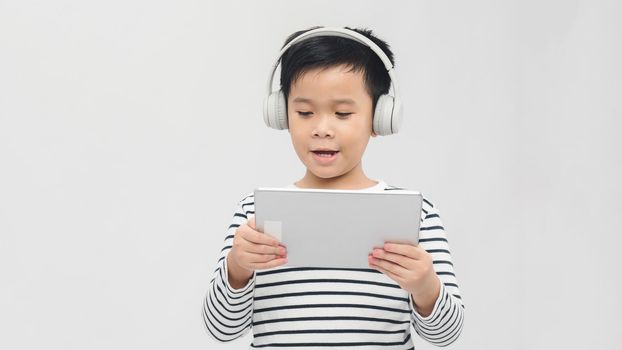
pixel 329 51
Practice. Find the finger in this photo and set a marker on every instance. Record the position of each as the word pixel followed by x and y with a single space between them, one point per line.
pixel 409 250
pixel 390 274
pixel 271 236
pixel 252 224
pixel 260 238
pixel 395 269
pixel 262 258
pixel 264 249
pixel 270 264
pixel 404 261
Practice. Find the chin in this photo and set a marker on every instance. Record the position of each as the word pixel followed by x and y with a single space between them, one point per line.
pixel 327 174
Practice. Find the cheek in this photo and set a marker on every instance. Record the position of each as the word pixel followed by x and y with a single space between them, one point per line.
pixel 298 141
pixel 361 145
pixel 355 139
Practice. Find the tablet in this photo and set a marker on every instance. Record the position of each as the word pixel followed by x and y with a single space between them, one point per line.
pixel 336 228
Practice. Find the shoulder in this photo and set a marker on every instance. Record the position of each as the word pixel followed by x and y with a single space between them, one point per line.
pixel 247 197
pixel 246 205
pixel 427 206
pixel 248 200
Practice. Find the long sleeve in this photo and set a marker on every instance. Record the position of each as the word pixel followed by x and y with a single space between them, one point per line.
pixel 227 312
pixel 443 326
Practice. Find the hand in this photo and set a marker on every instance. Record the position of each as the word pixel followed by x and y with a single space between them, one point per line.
pixel 411 267
pixel 252 250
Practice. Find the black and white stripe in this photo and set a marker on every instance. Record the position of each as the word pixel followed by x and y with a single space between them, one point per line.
pixel 316 308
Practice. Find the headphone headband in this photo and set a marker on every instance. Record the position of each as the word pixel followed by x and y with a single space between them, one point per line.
pixel 387 114
pixel 340 32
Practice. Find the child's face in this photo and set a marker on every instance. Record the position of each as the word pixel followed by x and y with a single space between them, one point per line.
pixel 318 120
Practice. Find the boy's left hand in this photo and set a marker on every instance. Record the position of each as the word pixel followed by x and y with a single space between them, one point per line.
pixel 411 267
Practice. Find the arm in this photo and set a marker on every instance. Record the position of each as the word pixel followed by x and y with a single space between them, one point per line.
pixel 227 310
pixel 444 323
pixel 426 272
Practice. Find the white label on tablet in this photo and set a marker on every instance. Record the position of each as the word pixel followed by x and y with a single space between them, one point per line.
pixel 273 228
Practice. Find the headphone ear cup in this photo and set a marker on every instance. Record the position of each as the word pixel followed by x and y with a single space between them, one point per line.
pixel 398 112
pixel 266 110
pixel 274 111
pixel 382 115
pixel 281 111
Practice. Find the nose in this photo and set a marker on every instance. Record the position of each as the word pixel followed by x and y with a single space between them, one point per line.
pixel 323 128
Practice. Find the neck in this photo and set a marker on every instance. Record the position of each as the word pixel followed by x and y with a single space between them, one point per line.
pixel 353 180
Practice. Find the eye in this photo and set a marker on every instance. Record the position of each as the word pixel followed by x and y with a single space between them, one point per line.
pixel 304 113
pixel 343 114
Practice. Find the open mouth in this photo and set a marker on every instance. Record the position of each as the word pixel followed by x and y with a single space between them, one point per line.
pixel 325 154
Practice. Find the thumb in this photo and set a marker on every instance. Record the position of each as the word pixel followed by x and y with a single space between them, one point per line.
pixel 251 223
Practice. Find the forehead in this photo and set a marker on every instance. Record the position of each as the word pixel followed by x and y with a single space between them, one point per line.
pixel 338 84
pixel 348 101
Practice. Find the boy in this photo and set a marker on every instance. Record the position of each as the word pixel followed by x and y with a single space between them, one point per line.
pixel 331 86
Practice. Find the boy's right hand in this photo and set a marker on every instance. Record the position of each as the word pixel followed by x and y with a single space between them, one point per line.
pixel 252 250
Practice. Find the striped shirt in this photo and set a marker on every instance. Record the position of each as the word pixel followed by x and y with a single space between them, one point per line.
pixel 315 308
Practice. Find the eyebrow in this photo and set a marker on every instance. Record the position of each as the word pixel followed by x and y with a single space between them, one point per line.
pixel 337 101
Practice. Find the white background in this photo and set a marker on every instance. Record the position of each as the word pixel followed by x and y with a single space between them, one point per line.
pixel 130 129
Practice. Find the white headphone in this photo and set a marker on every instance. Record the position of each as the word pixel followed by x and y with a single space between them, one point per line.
pixel 387 117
